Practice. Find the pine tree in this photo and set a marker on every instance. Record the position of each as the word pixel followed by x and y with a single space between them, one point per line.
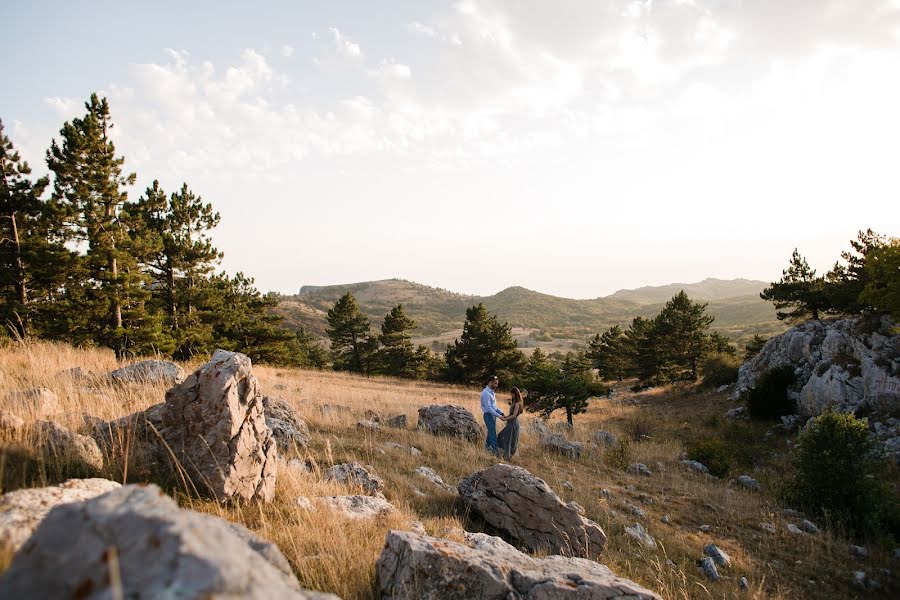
pixel 30 259
pixel 845 283
pixel 754 346
pixel 882 289
pixel 485 348
pixel 607 354
pixel 682 331
pixel 798 289
pixel 352 344
pixel 88 188
pixel 397 356
pixel 567 387
pixel 720 344
pixel 642 351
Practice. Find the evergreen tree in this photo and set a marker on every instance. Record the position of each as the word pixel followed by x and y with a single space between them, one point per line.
pixel 32 257
pixel 607 354
pixel 310 354
pixel 179 255
pixel 352 345
pixel 720 344
pixel 568 387
pixel 642 351
pixel 682 331
pixel 798 289
pixel 88 188
pixel 485 348
pixel 397 356
pixel 882 272
pixel 754 346
pixel 845 283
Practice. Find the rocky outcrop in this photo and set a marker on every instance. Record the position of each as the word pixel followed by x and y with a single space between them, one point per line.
pixel 60 444
pixel 557 443
pixel 289 430
pixel 149 371
pixel 136 537
pixel 844 364
pixel 215 424
pixel 22 511
pixel 524 507
pixel 359 507
pixel 358 475
pixel 449 420
pixel 412 565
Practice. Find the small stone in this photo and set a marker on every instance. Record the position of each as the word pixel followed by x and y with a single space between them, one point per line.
pixel 794 529
pixel 743 584
pixel 356 474
pixel 636 510
pixel 417 527
pixel 748 482
pixel 605 438
pixel 397 421
pixel 705 528
pixel 666 519
pixel 304 503
pixel 696 466
pixel 809 527
pixel 568 485
pixel 368 425
pixel 708 568
pixel 415 451
pixel 717 554
pixel 859 551
pixel 577 508
pixel 792 514
pixel 606 493
pixel 429 474
pixel 767 527
pixel 640 469
pixel 859 579
pixel 640 534
pixel 360 507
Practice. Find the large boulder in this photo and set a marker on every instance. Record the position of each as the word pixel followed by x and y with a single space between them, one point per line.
pixel 149 371
pixel 136 537
pixel 290 431
pixel 215 424
pixel 844 364
pixel 524 507
pixel 58 443
pixel 412 565
pixel 449 420
pixel 22 511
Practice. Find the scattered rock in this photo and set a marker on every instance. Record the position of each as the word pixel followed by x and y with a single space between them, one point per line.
pixel 304 503
pixel 10 422
pixel 666 520
pixel 737 413
pixel 859 579
pixel 640 534
pixel 696 466
pixel 792 514
pixel 639 469
pixel 411 449
pixel 426 568
pixel 37 402
pixel 360 507
pixel 568 485
pixel 302 467
pixel 397 421
pixel 449 420
pixel 331 409
pixel 149 371
pixel 215 424
pixel 371 415
pixel 606 493
pixel 417 527
pixel 577 508
pixel 705 528
pixel 368 425
pixel 556 442
pixel 22 511
pixel 289 430
pixel 767 527
pixel 859 551
pixel 808 527
pixel 791 422
pixel 708 568
pixel 605 438
pixel 720 557
pixel 429 474
pixel 636 510
pixel 160 548
pixel 356 474
pixel 794 529
pixel 63 445
pixel 743 583
pixel 518 503
pixel 748 482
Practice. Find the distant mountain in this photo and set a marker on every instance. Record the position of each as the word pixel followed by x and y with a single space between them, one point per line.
pixel 735 303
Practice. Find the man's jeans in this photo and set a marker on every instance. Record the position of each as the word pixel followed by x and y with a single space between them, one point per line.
pixel 490 421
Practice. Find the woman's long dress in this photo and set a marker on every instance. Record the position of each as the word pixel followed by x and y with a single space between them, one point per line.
pixel 508 439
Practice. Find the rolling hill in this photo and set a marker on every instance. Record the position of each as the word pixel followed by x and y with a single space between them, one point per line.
pixel 735 304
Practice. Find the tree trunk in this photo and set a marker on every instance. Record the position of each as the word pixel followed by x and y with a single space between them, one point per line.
pixel 21 290
pixel 569 416
pixel 173 306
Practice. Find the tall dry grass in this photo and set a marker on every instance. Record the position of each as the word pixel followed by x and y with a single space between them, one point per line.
pixel 336 554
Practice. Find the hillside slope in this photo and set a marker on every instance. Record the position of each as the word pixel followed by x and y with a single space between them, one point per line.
pixel 739 311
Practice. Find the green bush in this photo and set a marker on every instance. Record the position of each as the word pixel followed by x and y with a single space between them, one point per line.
pixel 619 456
pixel 768 399
pixel 838 476
pixel 713 452
pixel 719 369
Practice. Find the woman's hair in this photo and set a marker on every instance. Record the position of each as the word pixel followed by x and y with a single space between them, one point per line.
pixel 517 397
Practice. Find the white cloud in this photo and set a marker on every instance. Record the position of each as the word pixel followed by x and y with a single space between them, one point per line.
pixel 344 45
pixel 287 50
pixel 423 29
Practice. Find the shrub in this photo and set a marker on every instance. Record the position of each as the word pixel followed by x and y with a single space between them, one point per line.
pixel 719 369
pixel 619 456
pixel 714 453
pixel 838 475
pixel 638 427
pixel 768 399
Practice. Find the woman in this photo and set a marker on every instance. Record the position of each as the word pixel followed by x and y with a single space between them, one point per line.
pixel 508 440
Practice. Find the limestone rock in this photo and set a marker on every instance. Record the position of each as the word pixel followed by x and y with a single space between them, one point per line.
pixel 22 511
pixel 59 443
pixel 719 556
pixel 215 424
pixel 427 568
pixel 449 420
pixel 640 469
pixel 556 442
pixel 737 413
pixel 429 474
pixel 708 568
pixel 37 402
pixel 138 430
pixel 640 534
pixel 10 421
pixel 368 425
pixel 808 527
pixel 162 551
pixel 149 371
pixel 359 507
pixel 289 430
pixel 397 421
pixel 748 482
pixel 694 465
pixel 843 364
pixel 356 474
pixel 518 503
pixel 604 438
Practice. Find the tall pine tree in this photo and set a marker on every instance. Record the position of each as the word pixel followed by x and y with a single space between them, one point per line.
pixel 485 348
pixel 397 356
pixel 607 353
pixel 799 289
pixel 682 332
pixel 352 344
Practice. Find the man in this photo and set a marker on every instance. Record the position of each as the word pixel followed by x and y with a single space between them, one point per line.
pixel 491 412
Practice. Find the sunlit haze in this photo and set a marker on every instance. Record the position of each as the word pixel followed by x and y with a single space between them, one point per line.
pixel 573 147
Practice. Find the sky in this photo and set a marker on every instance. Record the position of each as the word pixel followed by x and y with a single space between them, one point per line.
pixel 574 147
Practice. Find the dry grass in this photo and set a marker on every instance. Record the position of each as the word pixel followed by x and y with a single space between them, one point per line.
pixel 332 553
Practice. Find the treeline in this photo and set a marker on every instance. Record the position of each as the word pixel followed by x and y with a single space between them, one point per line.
pixel 81 262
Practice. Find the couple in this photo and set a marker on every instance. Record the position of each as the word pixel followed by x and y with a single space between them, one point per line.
pixel 508 440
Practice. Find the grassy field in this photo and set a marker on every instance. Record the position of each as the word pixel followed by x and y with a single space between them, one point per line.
pixel 332 553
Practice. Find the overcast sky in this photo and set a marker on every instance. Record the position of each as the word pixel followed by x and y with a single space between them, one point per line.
pixel 572 147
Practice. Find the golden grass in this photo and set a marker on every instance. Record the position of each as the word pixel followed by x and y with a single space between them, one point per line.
pixel 332 553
